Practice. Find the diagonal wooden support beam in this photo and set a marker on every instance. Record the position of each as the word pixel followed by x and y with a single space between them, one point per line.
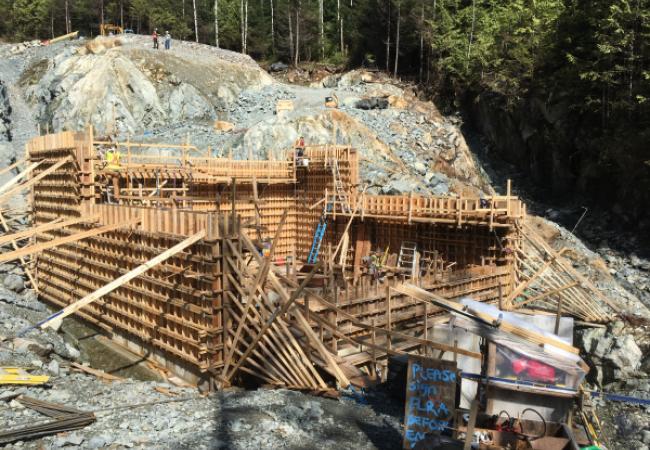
pixel 19 176
pixel 546 294
pixel 275 277
pixel 320 347
pixel 528 335
pixel 13 166
pixel 522 287
pixel 280 311
pixel 10 193
pixel 31 249
pixel 14 244
pixel 56 318
pixel 54 225
pixel 257 284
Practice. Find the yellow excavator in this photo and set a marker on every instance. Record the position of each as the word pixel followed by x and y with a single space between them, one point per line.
pixel 105 29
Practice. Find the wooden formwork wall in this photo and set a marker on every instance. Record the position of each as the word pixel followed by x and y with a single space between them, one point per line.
pixel 273 200
pixel 467 246
pixel 173 313
pixel 311 187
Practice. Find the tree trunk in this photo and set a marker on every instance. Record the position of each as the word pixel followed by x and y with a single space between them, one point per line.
pixel 322 29
pixel 245 26
pixel 290 28
pixel 196 22
pixel 421 41
pixel 471 34
pixel 67 17
pixel 272 28
pixel 122 14
pixel 342 42
pixel 295 61
pixel 399 12
pixel 388 40
pixel 241 25
pixel 216 23
pixel 243 12
pixel 183 10
pixel 338 21
pixel 101 11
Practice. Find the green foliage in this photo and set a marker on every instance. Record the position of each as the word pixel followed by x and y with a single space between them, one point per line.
pixel 31 18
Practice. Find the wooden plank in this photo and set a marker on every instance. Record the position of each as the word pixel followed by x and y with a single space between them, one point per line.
pixel 11 192
pixel 14 244
pixel 528 335
pixel 55 319
pixel 54 225
pixel 532 279
pixel 31 249
pixel 546 294
pixel 19 176
pixel 11 167
pixel 275 276
pixel 254 287
pixel 282 310
pixel 320 348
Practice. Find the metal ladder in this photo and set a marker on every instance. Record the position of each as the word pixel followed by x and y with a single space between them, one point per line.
pixel 318 240
pixel 407 256
pixel 340 195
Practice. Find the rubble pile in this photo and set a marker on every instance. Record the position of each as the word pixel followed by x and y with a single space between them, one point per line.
pixel 10 50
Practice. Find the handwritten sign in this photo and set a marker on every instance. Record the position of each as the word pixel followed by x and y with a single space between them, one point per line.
pixel 430 400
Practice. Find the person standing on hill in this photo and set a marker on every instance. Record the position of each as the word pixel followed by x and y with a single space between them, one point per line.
pixel 168 40
pixel 155 38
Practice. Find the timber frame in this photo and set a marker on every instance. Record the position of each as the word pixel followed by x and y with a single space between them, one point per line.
pixel 240 300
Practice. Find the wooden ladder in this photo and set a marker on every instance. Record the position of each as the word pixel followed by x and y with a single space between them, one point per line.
pixel 408 256
pixel 340 195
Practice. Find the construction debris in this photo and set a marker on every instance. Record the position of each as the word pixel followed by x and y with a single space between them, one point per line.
pixel 63 419
pixel 19 375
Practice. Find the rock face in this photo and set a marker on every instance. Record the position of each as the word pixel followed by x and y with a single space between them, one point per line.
pixel 5 112
pixel 614 355
pixel 565 151
pixel 121 85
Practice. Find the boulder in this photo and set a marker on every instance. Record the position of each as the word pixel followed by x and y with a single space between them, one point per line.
pixel 625 355
pixel 53 367
pixel 372 103
pixel 420 167
pixel 645 436
pixel 222 125
pixel 127 89
pixel 278 67
pixel 21 345
pixel 593 342
pixel 14 283
pixel 397 102
pixel 186 102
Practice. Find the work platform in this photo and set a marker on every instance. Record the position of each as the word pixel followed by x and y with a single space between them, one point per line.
pixel 241 300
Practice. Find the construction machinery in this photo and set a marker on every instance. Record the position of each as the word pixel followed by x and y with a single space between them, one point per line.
pixel 106 29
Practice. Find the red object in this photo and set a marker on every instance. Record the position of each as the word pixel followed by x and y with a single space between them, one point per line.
pixel 535 370
pixel 540 371
pixel 519 365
